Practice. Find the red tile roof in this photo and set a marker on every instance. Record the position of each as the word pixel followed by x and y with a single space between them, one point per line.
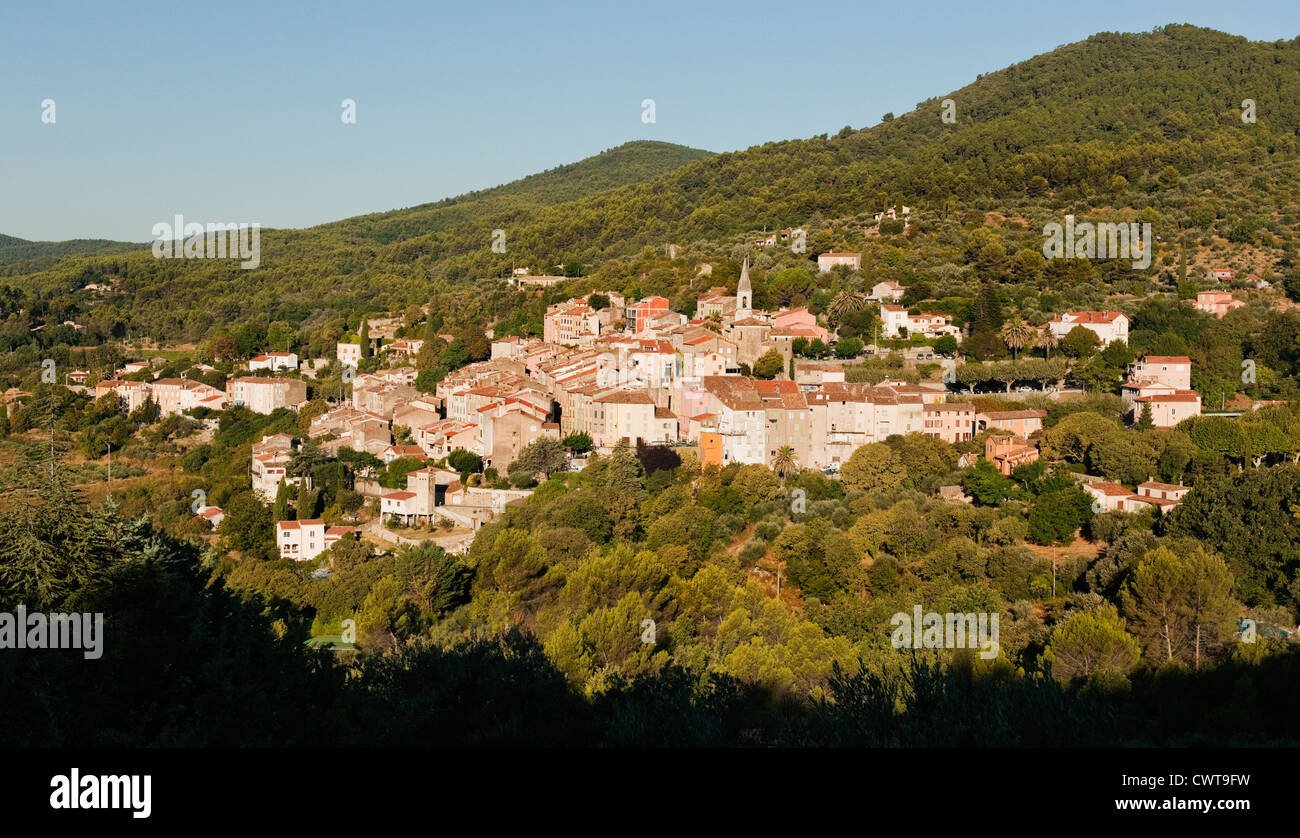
pixel 626 397
pixel 1178 396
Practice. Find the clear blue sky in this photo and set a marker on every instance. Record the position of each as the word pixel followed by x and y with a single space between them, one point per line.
pixel 230 111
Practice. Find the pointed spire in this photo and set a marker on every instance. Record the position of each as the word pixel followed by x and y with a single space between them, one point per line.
pixel 744 292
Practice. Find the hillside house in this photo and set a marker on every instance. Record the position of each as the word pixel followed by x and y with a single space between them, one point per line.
pixel 1108 326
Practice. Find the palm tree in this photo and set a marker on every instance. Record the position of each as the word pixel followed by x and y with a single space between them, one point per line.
pixel 1049 341
pixel 845 303
pixel 1017 335
pixel 785 461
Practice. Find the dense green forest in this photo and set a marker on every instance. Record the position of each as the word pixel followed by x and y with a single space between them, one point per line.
pixel 551 602
pixel 18 256
pixel 629 163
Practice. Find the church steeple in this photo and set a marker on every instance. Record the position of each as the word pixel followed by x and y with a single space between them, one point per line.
pixel 744 292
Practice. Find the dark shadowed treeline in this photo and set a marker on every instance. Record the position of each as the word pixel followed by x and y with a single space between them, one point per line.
pixel 188 662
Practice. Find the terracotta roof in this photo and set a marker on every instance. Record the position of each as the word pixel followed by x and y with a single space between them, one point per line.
pixel 1177 396
pixel 1164 486
pixel 255 379
pixel 1015 414
pixel 1090 316
pixel 626 397
pixel 798 330
pixel 294 525
pixel 1154 501
pixel 740 393
pixel 843 391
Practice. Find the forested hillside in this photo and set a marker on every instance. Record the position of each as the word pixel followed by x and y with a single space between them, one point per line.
pixel 19 256
pixel 1147 122
pixel 537 640
pixel 630 163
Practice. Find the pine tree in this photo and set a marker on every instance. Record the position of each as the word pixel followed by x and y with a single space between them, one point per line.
pixel 624 490
pixel 280 510
pixel 51 549
pixel 986 322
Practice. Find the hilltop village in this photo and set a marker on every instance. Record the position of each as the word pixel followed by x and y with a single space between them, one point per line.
pixel 733 383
